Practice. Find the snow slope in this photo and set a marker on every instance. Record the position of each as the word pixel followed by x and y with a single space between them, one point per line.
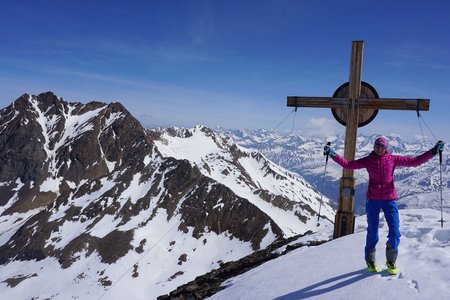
pixel 247 173
pixel 336 270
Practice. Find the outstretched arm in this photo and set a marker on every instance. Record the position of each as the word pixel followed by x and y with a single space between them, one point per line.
pixel 404 161
pixel 355 164
pixel 352 165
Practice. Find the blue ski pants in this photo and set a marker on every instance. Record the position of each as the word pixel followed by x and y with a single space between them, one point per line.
pixel 390 210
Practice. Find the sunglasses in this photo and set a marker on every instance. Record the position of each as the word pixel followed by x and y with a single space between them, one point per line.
pixel 380 146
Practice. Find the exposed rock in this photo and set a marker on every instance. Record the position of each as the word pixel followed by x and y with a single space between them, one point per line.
pixel 88 182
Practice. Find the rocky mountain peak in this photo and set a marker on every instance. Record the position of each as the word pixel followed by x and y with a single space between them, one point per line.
pixel 48 143
pixel 84 186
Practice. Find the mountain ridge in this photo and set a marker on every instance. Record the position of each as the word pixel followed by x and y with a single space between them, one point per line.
pixel 88 194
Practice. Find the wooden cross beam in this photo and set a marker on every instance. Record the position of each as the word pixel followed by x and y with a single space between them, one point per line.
pixel 354 107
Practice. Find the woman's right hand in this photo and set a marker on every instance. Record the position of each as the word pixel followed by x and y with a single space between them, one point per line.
pixel 439 147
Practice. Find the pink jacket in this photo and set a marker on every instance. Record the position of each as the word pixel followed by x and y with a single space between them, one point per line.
pixel 381 171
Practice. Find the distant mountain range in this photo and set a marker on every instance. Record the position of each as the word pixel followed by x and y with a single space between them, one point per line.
pixel 112 210
pixel 416 187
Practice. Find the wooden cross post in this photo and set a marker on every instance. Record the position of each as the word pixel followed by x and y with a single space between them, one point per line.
pixel 354 104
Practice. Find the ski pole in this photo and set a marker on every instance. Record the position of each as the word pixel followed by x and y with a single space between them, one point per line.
pixel 323 182
pixel 440 185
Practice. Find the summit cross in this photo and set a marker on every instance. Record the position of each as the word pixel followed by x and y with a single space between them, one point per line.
pixel 354 104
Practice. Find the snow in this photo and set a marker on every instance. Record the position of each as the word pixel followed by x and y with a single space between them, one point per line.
pixel 192 148
pixel 41 120
pixel 112 118
pixel 50 185
pixel 10 224
pixel 5 124
pixel 13 199
pixel 336 270
pixel 76 125
pixel 104 226
pixel 248 175
pixel 137 189
pixel 66 233
pixel 156 265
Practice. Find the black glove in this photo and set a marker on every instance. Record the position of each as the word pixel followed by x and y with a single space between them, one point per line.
pixel 439 147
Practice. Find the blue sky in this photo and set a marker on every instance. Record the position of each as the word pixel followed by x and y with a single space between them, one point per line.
pixel 229 63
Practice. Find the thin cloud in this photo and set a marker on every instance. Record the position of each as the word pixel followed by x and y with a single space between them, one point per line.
pixel 415 54
pixel 320 127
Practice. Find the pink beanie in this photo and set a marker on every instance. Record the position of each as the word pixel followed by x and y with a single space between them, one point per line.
pixel 381 141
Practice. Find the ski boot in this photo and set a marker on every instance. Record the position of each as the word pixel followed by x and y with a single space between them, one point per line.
pixel 392 268
pixel 371 267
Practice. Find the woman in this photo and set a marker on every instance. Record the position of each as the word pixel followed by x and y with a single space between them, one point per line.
pixel 381 195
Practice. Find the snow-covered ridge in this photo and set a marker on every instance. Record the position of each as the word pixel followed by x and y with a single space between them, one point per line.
pixel 250 175
pixel 336 270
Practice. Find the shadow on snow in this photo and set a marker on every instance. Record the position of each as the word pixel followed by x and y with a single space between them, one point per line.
pixel 328 285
